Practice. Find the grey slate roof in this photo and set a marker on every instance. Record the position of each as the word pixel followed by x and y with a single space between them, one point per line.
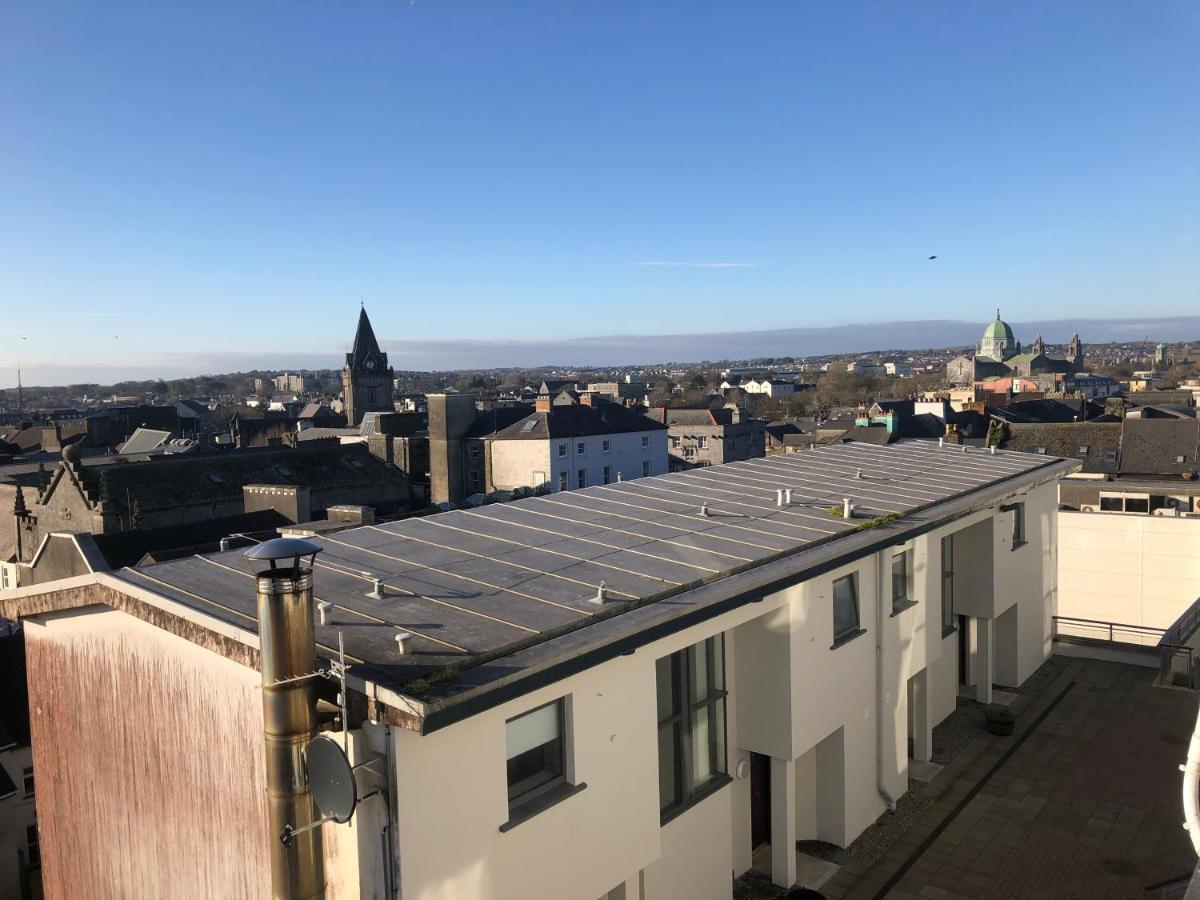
pixel 477 586
pixel 578 420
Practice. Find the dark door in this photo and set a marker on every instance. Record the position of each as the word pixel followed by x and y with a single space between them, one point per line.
pixel 760 800
pixel 964 657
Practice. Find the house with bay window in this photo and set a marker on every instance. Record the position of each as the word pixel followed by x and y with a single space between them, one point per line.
pixel 638 689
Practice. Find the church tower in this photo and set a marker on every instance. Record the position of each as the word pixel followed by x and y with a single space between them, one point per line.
pixel 366 378
pixel 1075 353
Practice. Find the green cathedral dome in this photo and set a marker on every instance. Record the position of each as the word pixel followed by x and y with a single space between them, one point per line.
pixel 999 330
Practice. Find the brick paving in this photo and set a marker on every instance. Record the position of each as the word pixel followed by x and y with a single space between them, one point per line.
pixel 1088 806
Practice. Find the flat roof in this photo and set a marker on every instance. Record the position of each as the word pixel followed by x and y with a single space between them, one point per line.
pixel 517 580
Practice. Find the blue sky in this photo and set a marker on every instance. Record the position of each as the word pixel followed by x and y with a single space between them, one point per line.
pixel 195 184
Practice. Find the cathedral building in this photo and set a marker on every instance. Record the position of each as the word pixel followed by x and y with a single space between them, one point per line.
pixel 999 355
pixel 367 378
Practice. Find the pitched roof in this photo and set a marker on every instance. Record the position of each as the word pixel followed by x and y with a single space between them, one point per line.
pixel 1041 410
pixel 578 421
pixel 1065 440
pixel 144 440
pixel 184 481
pixel 1155 446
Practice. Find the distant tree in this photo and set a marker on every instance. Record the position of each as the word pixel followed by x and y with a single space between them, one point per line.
pixel 135 515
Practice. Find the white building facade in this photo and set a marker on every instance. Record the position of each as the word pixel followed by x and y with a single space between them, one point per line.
pixel 771 704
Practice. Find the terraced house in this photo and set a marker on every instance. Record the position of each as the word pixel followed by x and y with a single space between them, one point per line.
pixel 624 691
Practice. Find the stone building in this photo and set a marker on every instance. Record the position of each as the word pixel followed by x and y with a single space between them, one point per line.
pixel 999 354
pixel 367 378
pixel 709 437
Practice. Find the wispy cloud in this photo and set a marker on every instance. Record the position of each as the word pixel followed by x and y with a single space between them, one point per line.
pixel 96 315
pixel 683 264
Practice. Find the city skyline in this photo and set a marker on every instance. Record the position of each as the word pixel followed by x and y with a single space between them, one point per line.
pixel 556 172
pixel 603 351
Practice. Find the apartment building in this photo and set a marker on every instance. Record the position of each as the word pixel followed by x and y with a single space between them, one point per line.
pixel 617 692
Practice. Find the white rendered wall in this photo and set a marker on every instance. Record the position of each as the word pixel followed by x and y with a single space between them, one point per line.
pixel 518 463
pixel 1131 569
pixel 624 456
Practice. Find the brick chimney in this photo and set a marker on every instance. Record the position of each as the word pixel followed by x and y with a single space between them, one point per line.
pixel 588 399
pixel 543 404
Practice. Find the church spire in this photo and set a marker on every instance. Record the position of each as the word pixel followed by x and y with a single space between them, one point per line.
pixel 365 345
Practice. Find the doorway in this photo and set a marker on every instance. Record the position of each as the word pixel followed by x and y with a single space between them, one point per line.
pixel 760 800
pixel 964 652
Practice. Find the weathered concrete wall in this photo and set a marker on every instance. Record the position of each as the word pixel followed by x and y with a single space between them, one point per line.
pixel 151 777
pixel 148 751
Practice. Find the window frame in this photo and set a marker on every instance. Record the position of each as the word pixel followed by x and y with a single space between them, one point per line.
pixel 562 451
pixel 555 789
pixel 645 440
pixel 581 478
pixel 1019 538
pixel 681 721
pixel 645 468
pixel 606 446
pixel 608 474
pixel 949 619
pixel 905 601
pixel 581 448
pixel 853 631
pixel 564 480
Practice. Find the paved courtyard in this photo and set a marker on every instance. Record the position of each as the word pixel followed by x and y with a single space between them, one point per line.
pixel 1086 805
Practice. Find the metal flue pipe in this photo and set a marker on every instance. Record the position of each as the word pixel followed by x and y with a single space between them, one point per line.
pixel 287 647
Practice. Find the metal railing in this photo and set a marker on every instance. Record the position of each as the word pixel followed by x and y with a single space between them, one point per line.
pixel 1117 633
pixel 1176 660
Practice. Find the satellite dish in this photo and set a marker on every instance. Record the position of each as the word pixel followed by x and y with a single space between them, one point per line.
pixel 331 778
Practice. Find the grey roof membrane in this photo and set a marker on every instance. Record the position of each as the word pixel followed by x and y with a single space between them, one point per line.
pixel 491 580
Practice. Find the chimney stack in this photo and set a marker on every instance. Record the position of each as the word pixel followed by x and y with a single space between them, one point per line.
pixel 288 651
pixel 543 403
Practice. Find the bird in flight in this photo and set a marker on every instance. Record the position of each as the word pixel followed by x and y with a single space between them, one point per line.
pixel 933 257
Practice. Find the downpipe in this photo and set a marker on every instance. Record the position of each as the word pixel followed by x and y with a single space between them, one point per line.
pixel 883 564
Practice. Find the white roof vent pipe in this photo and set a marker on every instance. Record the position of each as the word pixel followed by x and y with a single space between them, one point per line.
pixel 858 473
pixel 226 543
pixel 323 609
pixel 847 508
pixel 376 592
pixel 992 450
pixel 787 496
pixel 601 594
pixel 704 509
pixel 402 639
pixel 779 497
pixel 941 442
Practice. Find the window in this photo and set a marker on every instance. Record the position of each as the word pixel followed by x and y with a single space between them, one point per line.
pixel 948 622
pixel 1018 525
pixel 580 448
pixel 562 451
pixel 474 451
pixel 473 478
pixel 608 474
pixel 1081 450
pixel 27 779
pixel 581 477
pixel 563 484
pixel 845 609
pixel 702 442
pixel 645 440
pixel 674 442
pixel 645 467
pixel 1040 450
pixel 1181 458
pixel 606 446
pixel 536 754
pixel 900 582
pixel 31 846
pixel 1137 504
pixel 691 725
pixel 1110 455
pixel 1112 504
